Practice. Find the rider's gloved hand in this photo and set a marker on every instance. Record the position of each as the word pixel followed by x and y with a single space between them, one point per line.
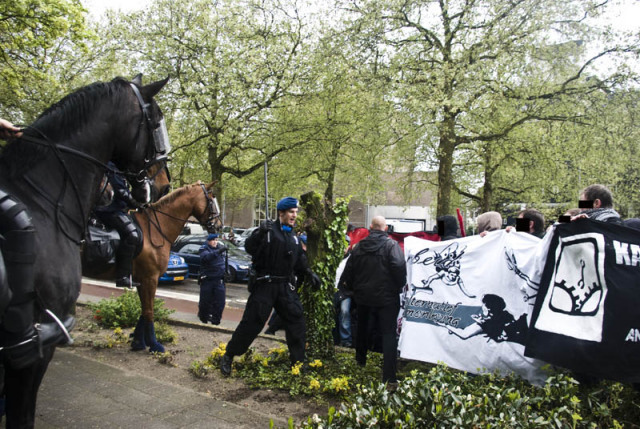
pixel 313 278
pixel 266 225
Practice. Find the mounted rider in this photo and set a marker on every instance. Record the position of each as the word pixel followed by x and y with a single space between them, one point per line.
pixel 20 341
pixel 116 216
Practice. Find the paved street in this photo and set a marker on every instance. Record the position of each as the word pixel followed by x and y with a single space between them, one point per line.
pixel 78 392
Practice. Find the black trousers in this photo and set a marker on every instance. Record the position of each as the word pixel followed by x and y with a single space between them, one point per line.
pixel 263 298
pixel 387 320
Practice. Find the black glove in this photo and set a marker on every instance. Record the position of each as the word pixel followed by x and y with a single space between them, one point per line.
pixel 314 280
pixel 266 225
pixel 222 248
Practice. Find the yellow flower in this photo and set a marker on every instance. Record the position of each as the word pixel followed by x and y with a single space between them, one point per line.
pixel 314 384
pixel 316 364
pixel 265 362
pixel 219 351
pixel 295 370
pixel 339 384
pixel 118 331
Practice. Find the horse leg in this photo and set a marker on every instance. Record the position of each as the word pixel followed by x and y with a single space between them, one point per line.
pixel 138 342
pixel 147 293
pixel 21 390
pixel 150 337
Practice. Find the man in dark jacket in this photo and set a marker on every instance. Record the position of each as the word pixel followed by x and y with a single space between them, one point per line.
pixel 277 256
pixel 375 274
pixel 116 216
pixel 212 288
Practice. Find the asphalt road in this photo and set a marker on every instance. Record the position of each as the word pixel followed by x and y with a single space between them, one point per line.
pixel 237 293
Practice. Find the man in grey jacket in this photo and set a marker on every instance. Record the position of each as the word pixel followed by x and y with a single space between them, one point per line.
pixel 375 274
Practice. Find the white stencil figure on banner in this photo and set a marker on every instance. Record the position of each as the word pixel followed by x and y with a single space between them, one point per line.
pixel 573 295
pixel 495 322
pixel 447 265
pixel 512 265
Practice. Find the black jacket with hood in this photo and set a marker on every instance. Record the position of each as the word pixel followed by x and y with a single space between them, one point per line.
pixel 376 271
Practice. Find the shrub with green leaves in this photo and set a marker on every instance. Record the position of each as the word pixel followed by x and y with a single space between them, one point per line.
pixel 124 311
pixel 448 398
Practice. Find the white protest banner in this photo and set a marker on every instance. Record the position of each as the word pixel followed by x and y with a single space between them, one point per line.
pixel 469 300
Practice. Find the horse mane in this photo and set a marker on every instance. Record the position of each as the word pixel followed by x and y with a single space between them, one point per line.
pixel 58 123
pixel 171 197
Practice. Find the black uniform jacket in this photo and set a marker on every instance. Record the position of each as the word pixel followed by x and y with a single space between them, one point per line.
pixel 281 256
pixel 376 271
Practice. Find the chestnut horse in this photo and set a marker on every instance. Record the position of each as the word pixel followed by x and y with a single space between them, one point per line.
pixel 161 223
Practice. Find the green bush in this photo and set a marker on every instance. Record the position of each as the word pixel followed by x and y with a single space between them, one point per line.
pixel 448 398
pixel 124 311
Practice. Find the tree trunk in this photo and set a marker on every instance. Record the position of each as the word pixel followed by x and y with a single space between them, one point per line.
pixel 446 149
pixel 325 225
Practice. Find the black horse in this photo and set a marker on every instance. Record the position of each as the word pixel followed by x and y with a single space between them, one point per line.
pixel 48 182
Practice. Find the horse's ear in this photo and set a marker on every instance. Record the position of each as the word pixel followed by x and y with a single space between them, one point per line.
pixel 137 80
pixel 148 91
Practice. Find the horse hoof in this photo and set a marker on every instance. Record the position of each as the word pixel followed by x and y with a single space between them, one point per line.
pixel 136 347
pixel 156 348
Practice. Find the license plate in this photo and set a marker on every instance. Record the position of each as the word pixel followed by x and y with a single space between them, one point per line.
pixel 178 278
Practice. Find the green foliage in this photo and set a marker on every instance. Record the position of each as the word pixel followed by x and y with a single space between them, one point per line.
pixel 124 311
pixel 39 39
pixel 326 238
pixel 449 398
pixel 337 377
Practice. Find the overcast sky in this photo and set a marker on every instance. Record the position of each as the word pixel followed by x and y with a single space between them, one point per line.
pixel 626 16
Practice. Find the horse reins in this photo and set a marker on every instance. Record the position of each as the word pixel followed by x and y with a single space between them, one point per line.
pixel 59 148
pixel 209 224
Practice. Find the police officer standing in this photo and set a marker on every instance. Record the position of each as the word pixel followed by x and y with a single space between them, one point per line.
pixel 116 215
pixel 212 288
pixel 277 257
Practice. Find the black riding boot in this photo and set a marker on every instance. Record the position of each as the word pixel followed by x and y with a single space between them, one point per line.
pixel 22 340
pixel 124 265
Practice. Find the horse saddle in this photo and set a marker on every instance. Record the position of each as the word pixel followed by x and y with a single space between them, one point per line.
pixel 102 243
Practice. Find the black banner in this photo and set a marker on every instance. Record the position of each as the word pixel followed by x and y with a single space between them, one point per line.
pixel 587 314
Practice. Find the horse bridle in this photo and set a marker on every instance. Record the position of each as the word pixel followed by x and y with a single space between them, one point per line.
pixel 210 224
pixel 158 150
pixel 212 204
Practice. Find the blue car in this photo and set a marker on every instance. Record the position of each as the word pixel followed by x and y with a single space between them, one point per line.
pixel 177 271
pixel 239 260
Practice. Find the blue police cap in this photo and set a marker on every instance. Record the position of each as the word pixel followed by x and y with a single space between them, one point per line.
pixel 287 203
pixel 212 237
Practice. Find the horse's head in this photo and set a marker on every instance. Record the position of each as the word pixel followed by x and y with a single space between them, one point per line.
pixel 146 141
pixel 160 179
pixel 208 212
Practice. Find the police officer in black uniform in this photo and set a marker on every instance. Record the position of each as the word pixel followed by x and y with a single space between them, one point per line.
pixel 212 288
pixel 116 215
pixel 277 257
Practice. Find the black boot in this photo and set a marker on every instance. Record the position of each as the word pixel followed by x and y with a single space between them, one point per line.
pixel 225 364
pixel 124 265
pixel 126 281
pixel 28 349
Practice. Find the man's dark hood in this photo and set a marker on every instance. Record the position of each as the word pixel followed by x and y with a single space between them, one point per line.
pixel 373 242
pixel 450 227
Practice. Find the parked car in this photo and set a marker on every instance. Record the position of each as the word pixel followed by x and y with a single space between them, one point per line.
pixel 177 271
pixel 243 237
pixel 188 247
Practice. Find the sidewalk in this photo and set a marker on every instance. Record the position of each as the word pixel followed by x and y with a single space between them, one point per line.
pixel 79 392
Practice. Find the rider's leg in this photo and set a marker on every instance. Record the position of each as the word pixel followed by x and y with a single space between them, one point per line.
pixel 19 338
pixel 129 239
